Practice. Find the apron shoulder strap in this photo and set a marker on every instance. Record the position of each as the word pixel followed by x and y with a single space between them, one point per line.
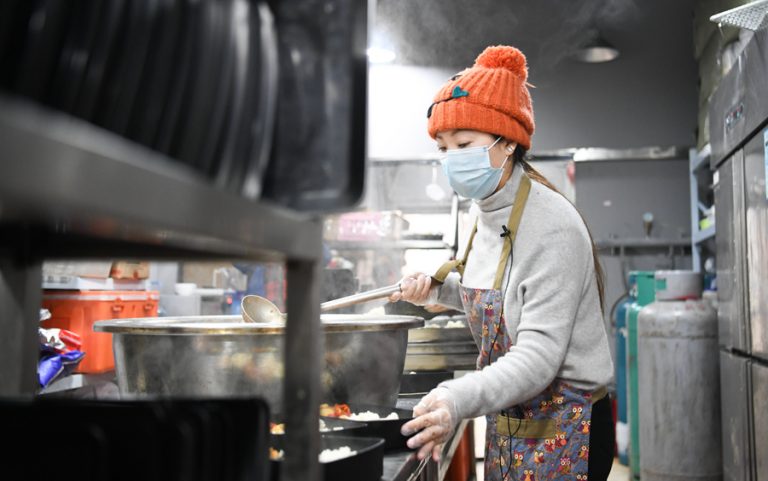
pixel 509 239
pixel 510 231
pixel 457 264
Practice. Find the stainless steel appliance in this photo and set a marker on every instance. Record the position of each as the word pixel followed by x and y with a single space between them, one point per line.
pixel 444 343
pixel 209 356
pixel 739 133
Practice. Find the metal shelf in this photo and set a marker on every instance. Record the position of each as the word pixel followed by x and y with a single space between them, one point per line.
pixel 391 245
pixel 87 186
pixel 641 243
pixel 70 190
pixel 701 158
pixel 79 381
pixel 703 235
pixel 699 177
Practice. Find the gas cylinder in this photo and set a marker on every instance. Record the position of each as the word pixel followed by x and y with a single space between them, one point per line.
pixel 620 322
pixel 678 371
pixel 644 294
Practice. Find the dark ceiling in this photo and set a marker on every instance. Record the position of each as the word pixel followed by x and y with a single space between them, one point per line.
pixel 451 33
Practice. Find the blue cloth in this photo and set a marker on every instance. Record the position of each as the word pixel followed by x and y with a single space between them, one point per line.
pixel 51 366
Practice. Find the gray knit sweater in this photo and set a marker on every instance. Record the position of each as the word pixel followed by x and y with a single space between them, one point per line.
pixel 551 304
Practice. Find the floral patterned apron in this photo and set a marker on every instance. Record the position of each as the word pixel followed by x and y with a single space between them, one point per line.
pixel 547 437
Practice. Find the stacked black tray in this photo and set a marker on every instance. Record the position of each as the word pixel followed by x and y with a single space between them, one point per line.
pixel 197 80
pixel 195 440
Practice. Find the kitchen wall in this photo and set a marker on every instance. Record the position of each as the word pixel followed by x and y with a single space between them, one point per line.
pixel 613 196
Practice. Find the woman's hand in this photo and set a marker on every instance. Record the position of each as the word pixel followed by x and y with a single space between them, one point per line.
pixel 414 288
pixel 435 418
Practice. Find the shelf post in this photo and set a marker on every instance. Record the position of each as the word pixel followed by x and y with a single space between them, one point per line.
pixel 303 362
pixel 20 300
pixel 694 194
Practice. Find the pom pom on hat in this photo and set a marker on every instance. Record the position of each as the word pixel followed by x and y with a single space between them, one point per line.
pixel 505 57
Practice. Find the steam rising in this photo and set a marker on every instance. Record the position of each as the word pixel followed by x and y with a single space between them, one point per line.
pixel 452 33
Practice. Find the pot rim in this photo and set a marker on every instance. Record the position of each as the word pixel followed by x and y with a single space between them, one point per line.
pixel 234 325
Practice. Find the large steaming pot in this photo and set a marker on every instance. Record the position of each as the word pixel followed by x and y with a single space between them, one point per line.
pixel 438 347
pixel 203 356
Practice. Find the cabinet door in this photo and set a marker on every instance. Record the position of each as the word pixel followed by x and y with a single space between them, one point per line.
pixel 756 207
pixel 736 420
pixel 760 410
pixel 731 292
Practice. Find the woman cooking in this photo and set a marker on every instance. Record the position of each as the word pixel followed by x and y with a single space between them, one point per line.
pixel 531 286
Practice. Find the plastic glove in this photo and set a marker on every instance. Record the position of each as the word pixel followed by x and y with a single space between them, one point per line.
pixel 414 288
pixel 50 367
pixel 435 418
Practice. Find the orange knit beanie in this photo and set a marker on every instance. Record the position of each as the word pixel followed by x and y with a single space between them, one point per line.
pixel 491 96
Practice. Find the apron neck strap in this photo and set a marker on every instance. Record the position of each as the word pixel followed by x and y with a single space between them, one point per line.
pixel 510 232
pixel 457 264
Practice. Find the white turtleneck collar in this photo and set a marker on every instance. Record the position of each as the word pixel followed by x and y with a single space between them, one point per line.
pixel 505 196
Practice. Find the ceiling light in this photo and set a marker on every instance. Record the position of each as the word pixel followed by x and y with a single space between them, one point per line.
pixel 596 50
pixel 381 55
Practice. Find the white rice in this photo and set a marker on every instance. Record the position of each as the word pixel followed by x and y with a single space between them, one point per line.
pixel 324 427
pixel 371 416
pixel 330 455
pixel 454 324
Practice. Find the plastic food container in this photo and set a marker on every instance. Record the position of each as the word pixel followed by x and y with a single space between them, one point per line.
pixel 77 311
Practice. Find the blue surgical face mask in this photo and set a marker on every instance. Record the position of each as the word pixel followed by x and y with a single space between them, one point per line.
pixel 470 173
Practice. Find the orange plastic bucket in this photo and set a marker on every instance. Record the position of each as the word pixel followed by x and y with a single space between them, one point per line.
pixel 78 310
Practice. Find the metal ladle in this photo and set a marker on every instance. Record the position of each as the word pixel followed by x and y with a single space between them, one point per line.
pixel 258 309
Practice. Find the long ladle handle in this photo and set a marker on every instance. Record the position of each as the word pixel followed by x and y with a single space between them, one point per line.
pixel 360 297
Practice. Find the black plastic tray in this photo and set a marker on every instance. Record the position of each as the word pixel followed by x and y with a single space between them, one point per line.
pixel 118 97
pixel 387 429
pixel 318 157
pixel 76 49
pixel 100 59
pixel 158 73
pixel 163 440
pixel 42 47
pixel 365 465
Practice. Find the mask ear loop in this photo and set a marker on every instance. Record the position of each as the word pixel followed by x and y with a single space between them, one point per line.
pixel 505 158
pixel 505 161
pixel 494 143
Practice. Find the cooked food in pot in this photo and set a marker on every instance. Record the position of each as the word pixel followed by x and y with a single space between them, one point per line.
pixel 335 411
pixel 279 428
pixel 325 429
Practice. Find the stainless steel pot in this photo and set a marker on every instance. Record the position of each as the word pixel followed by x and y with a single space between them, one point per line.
pixel 204 356
pixel 436 347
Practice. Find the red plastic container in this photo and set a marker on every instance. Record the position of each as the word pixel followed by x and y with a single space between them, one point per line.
pixel 78 310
